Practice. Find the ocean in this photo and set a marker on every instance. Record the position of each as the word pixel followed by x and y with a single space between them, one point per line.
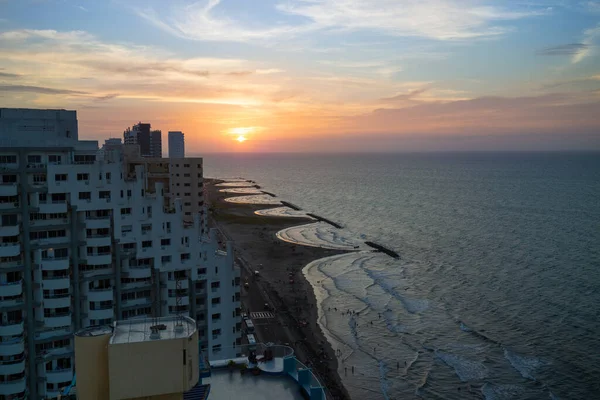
pixel 496 294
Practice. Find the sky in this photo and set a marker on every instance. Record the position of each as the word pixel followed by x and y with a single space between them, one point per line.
pixel 313 75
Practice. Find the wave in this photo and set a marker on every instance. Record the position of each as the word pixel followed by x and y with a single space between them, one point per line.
pixel 491 391
pixel 527 366
pixel 254 199
pixel 466 369
pixel 319 234
pixel 282 212
pixel 248 190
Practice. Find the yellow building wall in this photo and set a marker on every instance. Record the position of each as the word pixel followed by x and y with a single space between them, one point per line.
pixel 91 362
pixel 143 369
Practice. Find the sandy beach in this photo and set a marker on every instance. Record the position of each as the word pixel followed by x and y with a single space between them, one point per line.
pixel 280 282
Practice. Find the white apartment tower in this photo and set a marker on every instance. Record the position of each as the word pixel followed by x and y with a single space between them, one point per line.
pixel 83 243
pixel 176 144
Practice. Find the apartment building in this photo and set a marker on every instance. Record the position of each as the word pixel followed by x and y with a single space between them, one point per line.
pixel 182 178
pixel 176 144
pixel 83 243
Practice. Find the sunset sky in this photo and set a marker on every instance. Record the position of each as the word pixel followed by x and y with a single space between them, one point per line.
pixel 313 75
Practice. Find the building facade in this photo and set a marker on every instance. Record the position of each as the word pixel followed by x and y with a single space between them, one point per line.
pixel 176 144
pixel 150 141
pixel 83 242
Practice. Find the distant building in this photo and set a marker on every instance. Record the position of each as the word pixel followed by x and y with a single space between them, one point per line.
pixel 112 142
pixel 176 144
pixel 150 141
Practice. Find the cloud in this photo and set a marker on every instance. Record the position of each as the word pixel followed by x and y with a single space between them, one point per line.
pixel 590 37
pixel 563 50
pixel 8 75
pixel 407 96
pixel 38 89
pixel 435 19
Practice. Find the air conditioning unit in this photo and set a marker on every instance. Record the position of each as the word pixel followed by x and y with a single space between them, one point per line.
pixel 87 182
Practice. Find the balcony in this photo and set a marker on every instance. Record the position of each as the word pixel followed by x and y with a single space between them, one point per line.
pixel 12 347
pixel 142 301
pixel 99 259
pixel 12 387
pixel 9 189
pixel 53 207
pixel 98 240
pixel 8 289
pixel 12 367
pixel 185 300
pixel 172 284
pixel 9 230
pixel 135 285
pixel 59 301
pixel 97 222
pixel 56 282
pixel 100 294
pixel 101 313
pixel 9 205
pixel 57 320
pixel 59 375
pixel 54 264
pixel 11 328
pixel 10 249
pixel 137 272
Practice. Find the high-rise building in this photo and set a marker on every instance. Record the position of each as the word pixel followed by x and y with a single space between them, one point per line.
pixel 150 141
pixel 83 242
pixel 176 144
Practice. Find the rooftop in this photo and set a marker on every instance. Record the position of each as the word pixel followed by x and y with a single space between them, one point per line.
pixel 226 385
pixel 140 330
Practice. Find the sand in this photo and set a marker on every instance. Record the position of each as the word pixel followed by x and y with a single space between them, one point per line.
pixel 258 249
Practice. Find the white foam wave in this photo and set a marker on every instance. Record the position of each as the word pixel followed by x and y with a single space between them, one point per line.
pixel 465 328
pixel 320 234
pixel 466 369
pixel 501 392
pixel 527 366
pixel 257 199
pixel 236 184
pixel 282 212
pixel 249 190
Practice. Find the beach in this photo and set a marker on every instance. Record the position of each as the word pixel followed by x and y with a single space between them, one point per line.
pixel 280 282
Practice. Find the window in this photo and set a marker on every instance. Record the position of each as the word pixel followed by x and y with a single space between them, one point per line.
pixel 121 194
pixel 58 197
pixel 35 159
pixel 187 194
pixel 216 348
pixel 216 317
pixel 187 204
pixel 185 256
pixel 186 165
pixel 39 178
pixel 188 213
pixel 60 177
pixel 83 177
pixel 165 242
pixel 216 332
pixel 125 211
pixel 128 192
pixel 105 194
pixel 176 174
pixel 200 203
pixel 55 159
pixel 146 244
pixel 165 259
pixel 186 184
pixel 215 301
pixel 199 175
pixel 8 159
pixel 215 285
pixel 85 195
pixel 186 175
pixel 107 176
pixel 201 271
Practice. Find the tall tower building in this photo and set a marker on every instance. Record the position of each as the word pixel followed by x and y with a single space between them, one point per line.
pixel 150 141
pixel 176 144
pixel 84 242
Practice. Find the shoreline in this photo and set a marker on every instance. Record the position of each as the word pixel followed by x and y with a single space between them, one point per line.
pixel 281 282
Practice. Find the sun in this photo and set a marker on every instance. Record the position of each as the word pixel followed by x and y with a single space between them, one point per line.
pixel 241 138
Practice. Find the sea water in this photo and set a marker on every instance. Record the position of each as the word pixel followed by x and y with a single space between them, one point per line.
pixel 496 293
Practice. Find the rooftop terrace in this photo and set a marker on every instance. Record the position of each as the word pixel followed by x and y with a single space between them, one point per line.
pixel 142 330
